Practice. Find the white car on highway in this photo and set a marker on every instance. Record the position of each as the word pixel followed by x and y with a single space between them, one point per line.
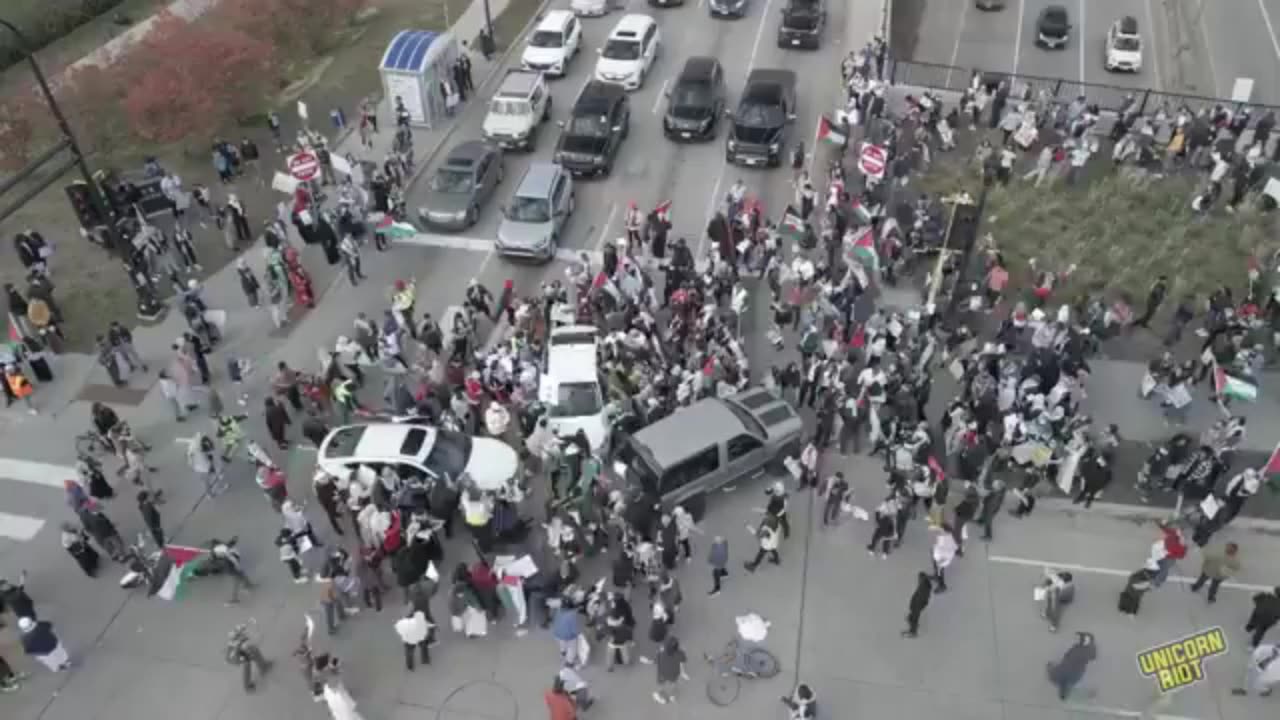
pixel 1123 48
pixel 589 8
pixel 420 451
pixel 555 42
pixel 629 52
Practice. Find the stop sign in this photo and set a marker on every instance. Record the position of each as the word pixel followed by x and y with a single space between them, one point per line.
pixel 872 160
pixel 304 165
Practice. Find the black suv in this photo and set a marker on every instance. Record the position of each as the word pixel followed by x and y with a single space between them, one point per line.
pixel 597 125
pixel 696 102
pixel 802 24
pixel 766 110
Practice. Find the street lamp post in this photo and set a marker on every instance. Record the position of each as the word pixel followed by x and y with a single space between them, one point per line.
pixel 149 308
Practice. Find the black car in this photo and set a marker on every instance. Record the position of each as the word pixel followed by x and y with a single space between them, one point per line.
pixel 696 102
pixel 728 8
pixel 597 125
pixel 1053 27
pixel 760 124
pixel 802 24
pixel 666 3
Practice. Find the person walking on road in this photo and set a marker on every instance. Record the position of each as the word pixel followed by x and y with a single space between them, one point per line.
pixel 151 517
pixel 944 552
pixel 1069 671
pixel 413 630
pixel 121 340
pixel 277 422
pixel 1217 567
pixel 1266 612
pixel 1263 671
pixel 249 284
pixel 351 258
pixel 669 664
pixel 718 558
pixel 40 642
pixel 767 536
pixel 918 602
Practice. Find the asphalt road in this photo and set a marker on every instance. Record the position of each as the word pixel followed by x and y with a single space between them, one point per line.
pixel 651 169
pixel 1192 47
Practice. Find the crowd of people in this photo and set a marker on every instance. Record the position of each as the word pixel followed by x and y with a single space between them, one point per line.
pixel 669 334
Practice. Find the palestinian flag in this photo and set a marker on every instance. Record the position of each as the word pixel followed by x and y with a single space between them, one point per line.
pixel 828 133
pixel 793 226
pixel 177 563
pixel 864 250
pixel 15 337
pixel 862 212
pixel 392 229
pixel 1227 386
pixel 663 210
pixel 1272 468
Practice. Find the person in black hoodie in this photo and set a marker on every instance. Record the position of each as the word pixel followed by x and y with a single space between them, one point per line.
pixel 918 602
pixel 1266 613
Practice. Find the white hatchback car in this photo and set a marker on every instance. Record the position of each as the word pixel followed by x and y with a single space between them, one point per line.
pixel 420 451
pixel 590 8
pixel 555 42
pixel 630 51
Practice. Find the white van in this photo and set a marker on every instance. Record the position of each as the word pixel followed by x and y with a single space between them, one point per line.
pixel 629 52
pixel 555 42
pixel 571 388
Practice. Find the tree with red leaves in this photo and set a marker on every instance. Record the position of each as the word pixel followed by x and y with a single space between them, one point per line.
pixel 195 80
pixel 299 29
pixel 20 118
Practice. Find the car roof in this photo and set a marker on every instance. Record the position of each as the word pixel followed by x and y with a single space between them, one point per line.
pixel 537 180
pixel 635 23
pixel 466 154
pixel 572 364
pixel 689 430
pixel 598 98
pixel 382 442
pixel 697 69
pixel 555 20
pixel 518 83
pixel 769 76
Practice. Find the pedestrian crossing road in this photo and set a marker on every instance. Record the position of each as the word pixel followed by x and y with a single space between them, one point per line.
pixel 30 497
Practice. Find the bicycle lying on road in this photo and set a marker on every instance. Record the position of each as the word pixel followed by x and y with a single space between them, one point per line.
pixel 742 656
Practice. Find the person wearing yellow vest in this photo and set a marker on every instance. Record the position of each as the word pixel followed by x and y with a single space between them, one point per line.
pixel 20 386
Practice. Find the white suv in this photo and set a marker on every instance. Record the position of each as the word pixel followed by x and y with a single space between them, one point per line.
pixel 1123 48
pixel 571 387
pixel 520 106
pixel 553 44
pixel 630 51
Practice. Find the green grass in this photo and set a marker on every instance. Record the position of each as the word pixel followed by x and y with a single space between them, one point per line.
pixel 1121 235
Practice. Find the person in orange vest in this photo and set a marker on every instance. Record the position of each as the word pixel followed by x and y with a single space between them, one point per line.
pixel 20 386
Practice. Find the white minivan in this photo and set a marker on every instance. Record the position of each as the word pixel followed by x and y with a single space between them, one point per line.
pixel 630 51
pixel 555 42
pixel 571 388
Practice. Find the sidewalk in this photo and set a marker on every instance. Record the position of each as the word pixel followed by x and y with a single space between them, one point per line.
pixel 249 332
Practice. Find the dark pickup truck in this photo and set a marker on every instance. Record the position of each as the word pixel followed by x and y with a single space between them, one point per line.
pixel 759 130
pixel 802 24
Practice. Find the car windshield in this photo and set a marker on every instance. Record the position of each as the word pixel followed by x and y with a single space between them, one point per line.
pixel 501 106
pixel 637 473
pixel 747 419
pixel 530 210
pixel 546 39
pixel 343 442
pixel 621 50
pixel 759 116
pixel 577 400
pixel 1128 44
pixel 595 126
pixel 452 180
pixel 449 454
pixel 691 95
pixel 1056 20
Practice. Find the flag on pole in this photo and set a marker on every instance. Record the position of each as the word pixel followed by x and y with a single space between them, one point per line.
pixel 828 133
pixel 1272 468
pixel 663 210
pixel 15 337
pixel 864 250
pixel 1228 386
pixel 177 563
pixel 392 229
pixel 862 212
pixel 792 226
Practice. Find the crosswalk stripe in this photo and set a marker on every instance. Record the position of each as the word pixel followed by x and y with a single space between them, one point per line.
pixel 19 527
pixel 35 473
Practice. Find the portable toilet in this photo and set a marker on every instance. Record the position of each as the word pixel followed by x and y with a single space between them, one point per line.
pixel 413 68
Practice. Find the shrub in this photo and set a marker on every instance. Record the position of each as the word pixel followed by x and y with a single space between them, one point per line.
pixel 192 80
pixel 90 100
pixel 20 118
pixel 298 28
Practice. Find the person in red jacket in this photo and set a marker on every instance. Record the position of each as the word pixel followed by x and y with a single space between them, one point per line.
pixel 1174 550
pixel 560 704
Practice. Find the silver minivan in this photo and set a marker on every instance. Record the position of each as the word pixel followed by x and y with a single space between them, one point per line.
pixel 699 449
pixel 533 221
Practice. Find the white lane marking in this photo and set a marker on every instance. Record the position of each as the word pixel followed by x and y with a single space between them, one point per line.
pixel 36 473
pixel 604 231
pixel 955 51
pixel 1017 36
pixel 711 208
pixel 755 46
pixel 1271 30
pixel 1119 712
pixel 1080 41
pixel 19 527
pixel 662 93
pixel 1208 51
pixel 1093 570
pixel 477 245
pixel 1155 53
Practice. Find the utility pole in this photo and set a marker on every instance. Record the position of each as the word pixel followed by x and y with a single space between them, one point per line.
pixel 149 308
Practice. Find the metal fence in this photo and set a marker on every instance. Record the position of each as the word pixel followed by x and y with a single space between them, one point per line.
pixel 937 76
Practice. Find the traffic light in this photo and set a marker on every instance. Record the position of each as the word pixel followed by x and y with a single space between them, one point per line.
pixel 83 203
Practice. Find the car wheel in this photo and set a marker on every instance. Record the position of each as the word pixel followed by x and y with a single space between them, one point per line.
pixel 626 128
pixel 607 170
pixel 473 215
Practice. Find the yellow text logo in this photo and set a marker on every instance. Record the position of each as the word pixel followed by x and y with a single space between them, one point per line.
pixel 1180 663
